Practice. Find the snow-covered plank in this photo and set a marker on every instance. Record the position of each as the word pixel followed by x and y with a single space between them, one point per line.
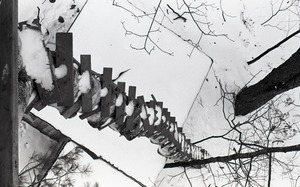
pixel 164 127
pixel 64 58
pixel 130 108
pixel 158 128
pixel 85 68
pixel 49 96
pixel 144 116
pixel 151 106
pixel 106 100
pixel 35 103
pixel 120 106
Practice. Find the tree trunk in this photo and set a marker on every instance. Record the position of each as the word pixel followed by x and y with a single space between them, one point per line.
pixel 281 79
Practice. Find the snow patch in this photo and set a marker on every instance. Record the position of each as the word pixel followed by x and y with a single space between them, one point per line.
pixel 84 83
pixel 129 108
pixel 103 92
pixel 35 58
pixel 32 96
pixel 61 71
pixel 107 122
pixel 143 114
pixel 158 115
pixel 152 115
pixel 119 100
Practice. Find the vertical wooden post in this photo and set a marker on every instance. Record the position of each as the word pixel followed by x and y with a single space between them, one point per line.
pixel 107 100
pixel 120 109
pixel 64 56
pixel 131 98
pixel 8 93
pixel 86 97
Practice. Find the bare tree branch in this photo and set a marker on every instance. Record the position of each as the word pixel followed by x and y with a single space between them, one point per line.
pixel 236 156
pixel 274 47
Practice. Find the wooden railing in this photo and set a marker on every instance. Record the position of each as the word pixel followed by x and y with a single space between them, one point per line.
pixel 124 112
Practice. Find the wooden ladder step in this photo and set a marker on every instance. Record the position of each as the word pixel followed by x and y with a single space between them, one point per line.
pixel 120 110
pixel 106 101
pixel 131 100
pixel 86 98
pixel 64 56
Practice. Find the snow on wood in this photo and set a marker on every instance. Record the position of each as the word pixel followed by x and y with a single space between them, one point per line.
pixel 35 58
pixel 61 71
pixel 144 113
pixel 158 115
pixel 103 92
pixel 84 83
pixel 129 108
pixel 152 114
pixel 57 17
pixel 119 100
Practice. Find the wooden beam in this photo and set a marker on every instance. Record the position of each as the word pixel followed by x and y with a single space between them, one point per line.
pixel 107 100
pixel 64 56
pixel 8 93
pixel 86 98
pixel 120 109
pixel 131 98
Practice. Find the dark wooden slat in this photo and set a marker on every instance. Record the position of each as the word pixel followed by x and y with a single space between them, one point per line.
pixel 107 100
pixel 120 109
pixel 64 56
pixel 146 123
pixel 8 93
pixel 164 127
pixel 86 98
pixel 151 104
pixel 187 148
pixel 172 126
pixel 131 98
pixel 71 111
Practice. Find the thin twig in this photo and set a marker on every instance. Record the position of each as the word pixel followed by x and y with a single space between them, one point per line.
pixel 274 47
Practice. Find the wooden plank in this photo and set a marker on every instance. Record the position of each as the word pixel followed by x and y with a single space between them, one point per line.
pixel 151 104
pixel 49 96
pixel 107 100
pixel 8 93
pixel 71 111
pixel 86 98
pixel 120 109
pixel 131 98
pixel 164 127
pixel 146 123
pixel 172 129
pixel 64 56
pixel 157 128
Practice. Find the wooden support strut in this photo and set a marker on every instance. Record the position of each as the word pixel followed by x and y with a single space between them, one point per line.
pixel 131 100
pixel 86 98
pixel 8 93
pixel 106 101
pixel 64 56
pixel 120 109
pixel 143 131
